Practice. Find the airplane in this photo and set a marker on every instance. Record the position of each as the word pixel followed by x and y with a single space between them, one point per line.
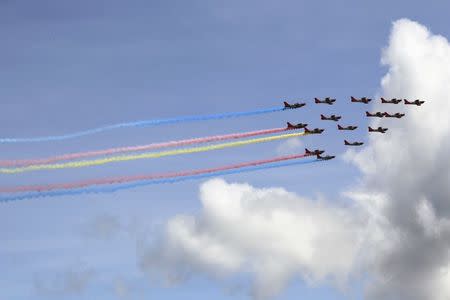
pixel 379 129
pixel 327 100
pixel 346 128
pixel 330 118
pixel 396 115
pixel 392 101
pixel 314 131
pixel 377 114
pixel 416 102
pixel 353 144
pixel 296 126
pixel 314 152
pixel 293 106
pixel 328 157
pixel 362 100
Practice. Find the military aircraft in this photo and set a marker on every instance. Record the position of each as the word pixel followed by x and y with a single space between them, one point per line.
pixel 392 101
pixel 314 131
pixel 377 114
pixel 353 144
pixel 330 118
pixel 296 126
pixel 293 106
pixel 328 157
pixel 362 100
pixel 379 129
pixel 314 152
pixel 396 115
pixel 327 100
pixel 415 102
pixel 346 128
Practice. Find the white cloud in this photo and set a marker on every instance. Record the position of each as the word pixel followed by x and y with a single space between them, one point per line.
pixel 410 169
pixel 270 233
pixel 400 225
pixel 290 146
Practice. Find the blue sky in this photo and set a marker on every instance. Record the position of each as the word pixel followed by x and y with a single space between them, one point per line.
pixel 68 66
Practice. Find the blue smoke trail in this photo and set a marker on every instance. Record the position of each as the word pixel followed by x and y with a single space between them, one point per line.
pixel 142 123
pixel 114 188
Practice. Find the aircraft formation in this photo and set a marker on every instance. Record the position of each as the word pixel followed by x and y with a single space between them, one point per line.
pixel 336 118
pixel 155 150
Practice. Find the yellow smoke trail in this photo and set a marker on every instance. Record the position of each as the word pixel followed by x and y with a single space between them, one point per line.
pixel 101 161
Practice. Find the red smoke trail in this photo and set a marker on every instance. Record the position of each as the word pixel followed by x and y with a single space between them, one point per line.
pixel 117 180
pixel 53 159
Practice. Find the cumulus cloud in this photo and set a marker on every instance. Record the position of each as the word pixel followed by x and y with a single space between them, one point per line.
pixel 398 229
pixel 269 233
pixel 407 172
pixel 290 146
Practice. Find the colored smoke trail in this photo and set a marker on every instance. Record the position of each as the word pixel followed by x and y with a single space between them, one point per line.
pixel 101 161
pixel 215 138
pixel 143 123
pixel 251 166
pixel 114 180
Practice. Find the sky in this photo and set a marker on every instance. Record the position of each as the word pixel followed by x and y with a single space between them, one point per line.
pixel 68 66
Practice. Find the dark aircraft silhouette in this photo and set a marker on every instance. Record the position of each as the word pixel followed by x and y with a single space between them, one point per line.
pixel 379 129
pixel 330 118
pixel 396 115
pixel 296 126
pixel 327 100
pixel 346 128
pixel 362 100
pixel 328 157
pixel 314 131
pixel 353 144
pixel 377 114
pixel 392 101
pixel 293 106
pixel 415 102
pixel 314 152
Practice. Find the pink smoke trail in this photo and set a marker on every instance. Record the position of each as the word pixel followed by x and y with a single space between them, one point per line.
pixel 53 159
pixel 117 180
